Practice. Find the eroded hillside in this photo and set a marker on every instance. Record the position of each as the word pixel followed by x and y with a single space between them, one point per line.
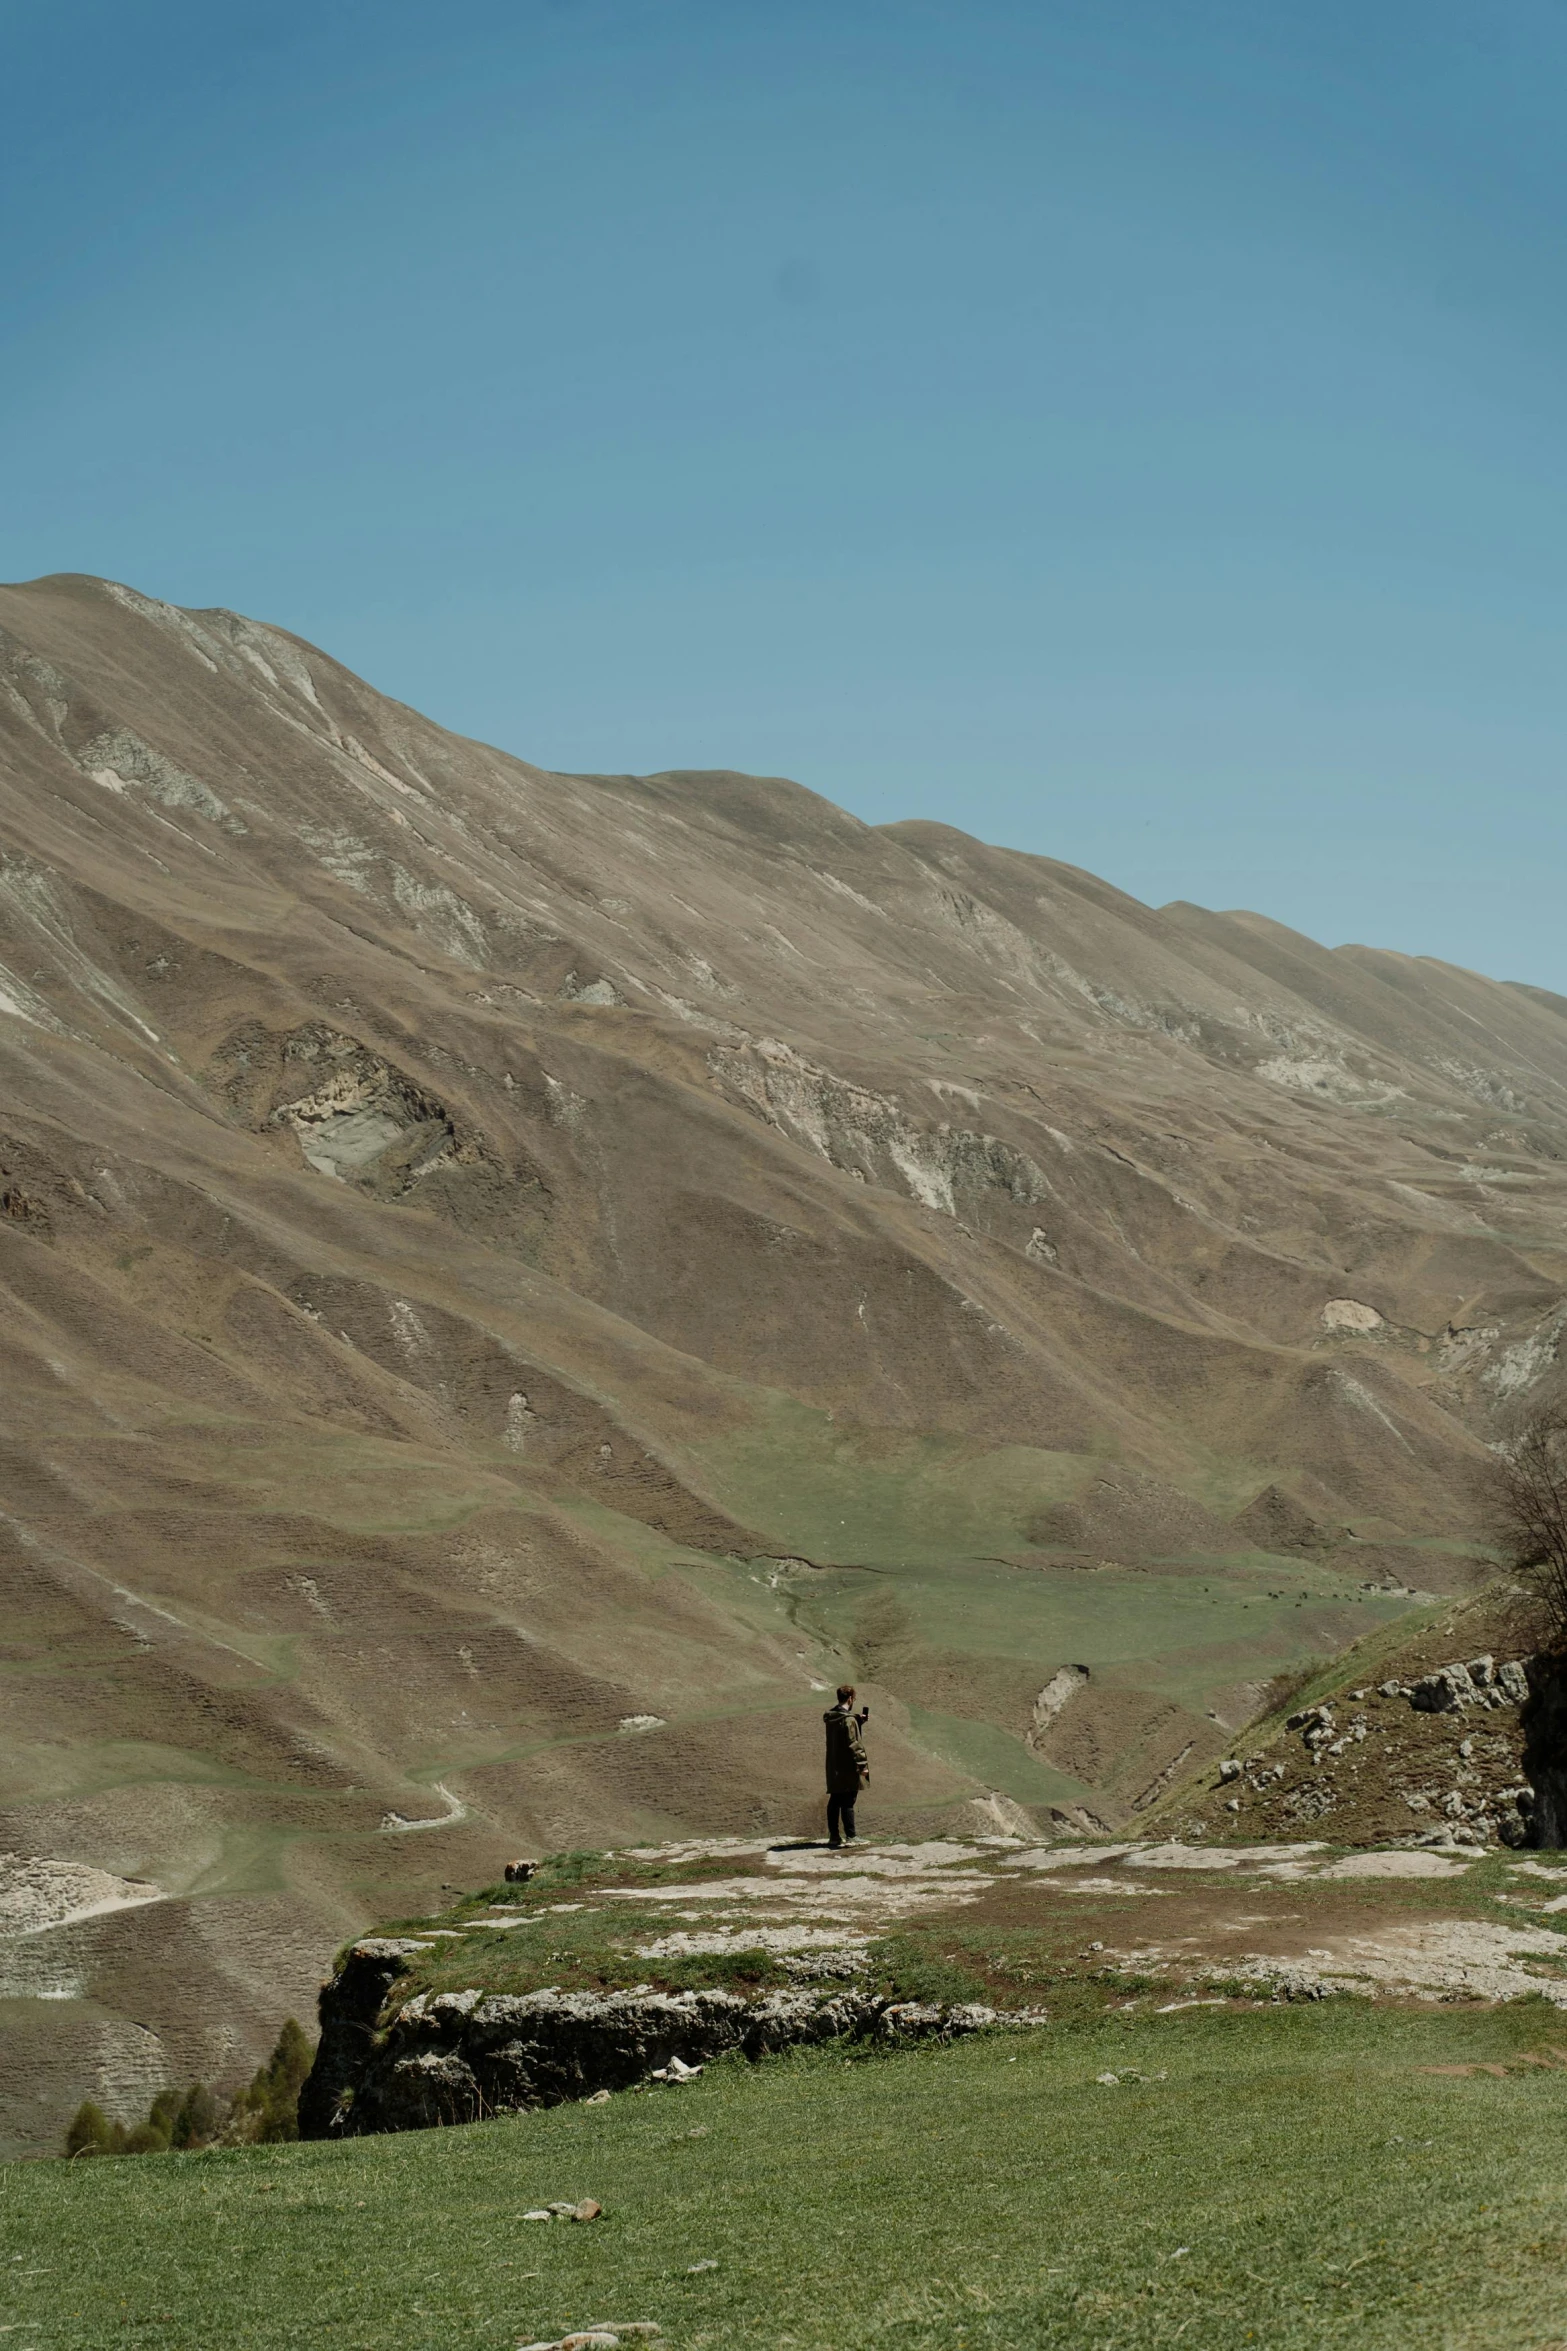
pixel 511 1278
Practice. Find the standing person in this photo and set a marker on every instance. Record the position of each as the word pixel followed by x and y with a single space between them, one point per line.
pixel 847 1769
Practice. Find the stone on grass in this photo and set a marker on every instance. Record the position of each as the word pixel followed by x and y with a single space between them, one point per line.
pixel 603 2334
pixel 1441 1692
pixel 675 2072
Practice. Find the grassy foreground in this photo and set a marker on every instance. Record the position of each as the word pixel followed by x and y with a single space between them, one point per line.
pixel 1285 2178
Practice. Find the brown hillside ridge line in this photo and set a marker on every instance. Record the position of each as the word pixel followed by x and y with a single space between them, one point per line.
pixel 469 1233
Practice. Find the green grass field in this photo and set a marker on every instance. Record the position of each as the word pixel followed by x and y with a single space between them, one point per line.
pixel 1286 2179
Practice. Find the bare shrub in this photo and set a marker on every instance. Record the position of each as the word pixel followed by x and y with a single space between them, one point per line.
pixel 1531 1510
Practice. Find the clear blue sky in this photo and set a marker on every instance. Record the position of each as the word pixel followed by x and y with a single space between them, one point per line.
pixel 1127 430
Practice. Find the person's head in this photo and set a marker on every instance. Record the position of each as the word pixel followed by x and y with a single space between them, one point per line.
pixel 846 1693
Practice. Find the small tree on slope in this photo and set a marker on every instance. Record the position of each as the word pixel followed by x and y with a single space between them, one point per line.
pixel 1533 1510
pixel 269 2109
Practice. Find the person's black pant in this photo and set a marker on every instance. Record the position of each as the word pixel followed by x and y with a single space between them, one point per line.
pixel 840 1817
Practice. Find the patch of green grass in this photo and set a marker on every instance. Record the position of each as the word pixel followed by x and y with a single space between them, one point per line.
pixel 880 1496
pixel 995 1758
pixel 252 1859
pixel 1288 2180
pixel 1183 1632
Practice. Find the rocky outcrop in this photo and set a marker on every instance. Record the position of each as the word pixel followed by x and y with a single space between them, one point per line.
pixel 1453 1745
pixel 1482 1682
pixel 1544 1722
pixel 454 2057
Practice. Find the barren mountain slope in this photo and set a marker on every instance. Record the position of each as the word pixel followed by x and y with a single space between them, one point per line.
pixel 509 1277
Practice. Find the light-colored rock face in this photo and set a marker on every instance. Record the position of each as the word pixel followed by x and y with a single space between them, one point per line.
pixel 37 1895
pixel 451 1209
pixel 1348 1314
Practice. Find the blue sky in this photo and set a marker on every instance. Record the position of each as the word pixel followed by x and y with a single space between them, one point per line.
pixel 1126 431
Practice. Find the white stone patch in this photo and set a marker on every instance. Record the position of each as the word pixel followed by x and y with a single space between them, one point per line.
pixel 397 1824
pixel 1127 1888
pixel 1220 1857
pixel 120 760
pixel 998 1814
pixel 347 1139
pixel 36 1895
pixel 1520 1366
pixel 1062 1687
pixel 343 855
pixel 367 759
pixel 642 1722
pixel 1363 1401
pixel 408 1332
pixel 346 1123
pixel 1070 1856
pixel 35 897
pixel 866 1134
pixel 598 991
pixel 883 1861
pixel 1433 1958
pixel 713 1890
pixel 719 1941
pixel 844 890
pixel 519 1419
pixel 167 616
pixel 698 1849
pixel 855 1890
pixel 562 1107
pixel 1348 1314
pixel 1395 1865
pixel 1324 1075
pixel 23 1003
pixel 441 915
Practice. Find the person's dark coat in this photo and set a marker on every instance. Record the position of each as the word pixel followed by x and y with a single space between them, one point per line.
pixel 847 1768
